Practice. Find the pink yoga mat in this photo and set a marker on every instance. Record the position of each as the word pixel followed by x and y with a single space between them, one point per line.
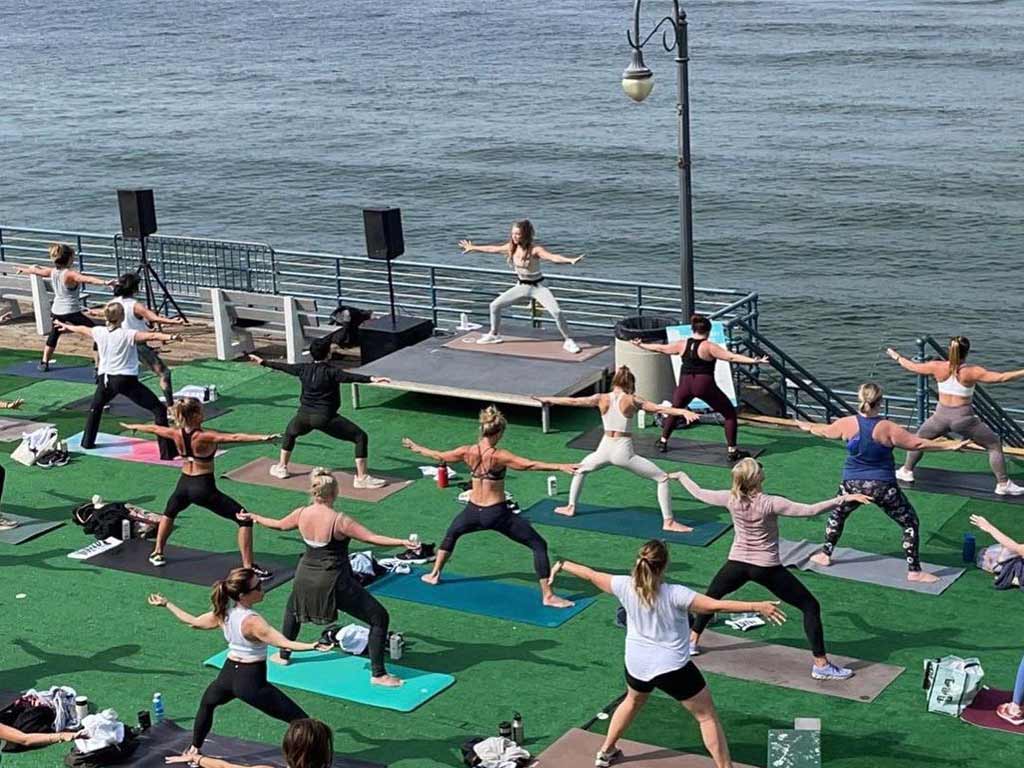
pixel 576 749
pixel 982 711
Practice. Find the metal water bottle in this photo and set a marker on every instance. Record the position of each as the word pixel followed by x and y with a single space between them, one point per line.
pixel 518 734
pixel 970 548
pixel 552 485
pixel 396 643
pixel 126 529
pixel 442 475
pixel 505 729
pixel 158 707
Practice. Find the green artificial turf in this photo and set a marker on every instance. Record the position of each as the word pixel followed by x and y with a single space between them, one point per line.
pixel 91 628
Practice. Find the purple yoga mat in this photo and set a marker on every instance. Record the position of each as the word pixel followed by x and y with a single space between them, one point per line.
pixel 982 711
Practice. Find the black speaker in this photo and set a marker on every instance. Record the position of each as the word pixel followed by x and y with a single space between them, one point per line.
pixel 138 214
pixel 384 238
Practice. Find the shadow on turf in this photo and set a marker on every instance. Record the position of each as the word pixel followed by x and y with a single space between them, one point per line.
pixel 39 560
pixel 462 654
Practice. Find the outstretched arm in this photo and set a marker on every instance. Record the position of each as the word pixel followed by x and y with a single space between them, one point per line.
pixel 289 368
pixel 590 401
pixel 980 522
pixel 645 405
pixel 714 498
pixel 83 279
pixel 789 508
pixel 256 627
pixel 672 348
pixel 522 464
pixel 599 579
pixel 356 530
pixel 901 438
pixel 80 330
pixel 448 457
pixel 157 336
pixel 238 437
pixel 833 431
pixel 151 429
pixel 287 523
pixel 145 313
pixel 543 253
pixel 767 608
pixel 203 621
pixel 721 353
pixel 32 269
pixel 985 376
pixel 926 369
pixel 14 736
pixel 468 246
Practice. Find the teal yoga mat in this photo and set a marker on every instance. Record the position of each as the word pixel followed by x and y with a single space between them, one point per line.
pixel 348 678
pixel 626 521
pixel 479 595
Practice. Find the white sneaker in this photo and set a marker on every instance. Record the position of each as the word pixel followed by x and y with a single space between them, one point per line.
pixel 279 471
pixel 490 338
pixel 7 524
pixel 1009 488
pixel 571 347
pixel 368 482
pixel 906 475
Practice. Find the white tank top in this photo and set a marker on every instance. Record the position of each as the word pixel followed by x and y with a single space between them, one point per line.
pixel 65 300
pixel 614 419
pixel 952 386
pixel 131 320
pixel 528 271
pixel 240 648
pixel 117 351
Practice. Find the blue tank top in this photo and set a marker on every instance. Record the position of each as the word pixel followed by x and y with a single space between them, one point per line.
pixel 868 459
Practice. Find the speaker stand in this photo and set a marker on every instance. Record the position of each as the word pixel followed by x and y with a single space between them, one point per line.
pixel 391 294
pixel 148 276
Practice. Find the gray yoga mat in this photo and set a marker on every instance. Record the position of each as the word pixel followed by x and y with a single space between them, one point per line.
pixel 191 566
pixel 165 739
pixel 576 749
pixel 973 485
pixel 29 529
pixel 123 408
pixel 883 570
pixel 81 374
pixel 747 659
pixel 691 451
pixel 13 429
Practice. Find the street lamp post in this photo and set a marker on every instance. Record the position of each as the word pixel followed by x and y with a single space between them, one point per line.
pixel 638 82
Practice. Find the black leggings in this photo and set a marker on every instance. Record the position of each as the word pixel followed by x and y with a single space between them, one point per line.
pixel 777 580
pixel 351 598
pixel 497 517
pixel 202 490
pixel 109 387
pixel 73 318
pixel 247 682
pixel 703 386
pixel 331 424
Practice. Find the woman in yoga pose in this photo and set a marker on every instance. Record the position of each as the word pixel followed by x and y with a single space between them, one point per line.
pixel 318 409
pixel 244 674
pixel 754 555
pixel 487 509
pixel 324 583
pixel 524 256
pixel 658 645
pixel 871 471
pixel 197 483
pixel 954 414
pixel 117 372
pixel 67 303
pixel 616 447
pixel 697 379
pixel 308 743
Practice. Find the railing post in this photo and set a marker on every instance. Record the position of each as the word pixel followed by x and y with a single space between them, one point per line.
pixel 922 386
pixel 273 270
pixel 78 250
pixel 337 281
pixel 3 256
pixel 433 295
pixel 640 301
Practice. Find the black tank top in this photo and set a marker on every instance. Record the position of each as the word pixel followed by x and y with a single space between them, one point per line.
pixel 692 362
pixel 186 440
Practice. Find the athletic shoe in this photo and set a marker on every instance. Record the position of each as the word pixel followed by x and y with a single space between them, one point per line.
pixel 662 446
pixel 694 650
pixel 830 672
pixel 279 471
pixel 1003 710
pixel 368 482
pixel 54 458
pixel 571 347
pixel 425 554
pixel 904 474
pixel 263 573
pixel 1009 488
pixel 738 454
pixel 490 338
pixel 157 559
pixel 43 366
pixel 6 524
pixel 605 759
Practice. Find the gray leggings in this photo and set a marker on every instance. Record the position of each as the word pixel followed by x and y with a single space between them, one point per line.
pixel 961 420
pixel 535 291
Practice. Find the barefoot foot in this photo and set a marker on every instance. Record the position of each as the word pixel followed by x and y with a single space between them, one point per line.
pixel 431 578
pixel 821 559
pixel 554 601
pixel 673 525
pixel 568 510
pixel 388 681
pixel 277 658
pixel 922 577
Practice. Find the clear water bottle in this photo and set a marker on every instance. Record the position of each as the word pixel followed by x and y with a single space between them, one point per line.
pixel 158 707
pixel 126 529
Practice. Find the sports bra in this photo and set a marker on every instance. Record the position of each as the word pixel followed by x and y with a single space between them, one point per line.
pixel 692 362
pixel 952 386
pixel 186 439
pixel 493 473
pixel 614 419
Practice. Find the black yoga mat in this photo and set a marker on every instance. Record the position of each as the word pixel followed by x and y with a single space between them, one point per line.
pixel 711 454
pixel 191 566
pixel 973 485
pixel 166 739
pixel 123 408
pixel 80 374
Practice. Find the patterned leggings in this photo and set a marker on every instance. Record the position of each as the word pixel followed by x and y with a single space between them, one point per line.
pixel 887 495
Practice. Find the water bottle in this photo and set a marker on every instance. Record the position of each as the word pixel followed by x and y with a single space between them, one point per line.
pixel 552 485
pixel 969 547
pixel 97 501
pixel 518 734
pixel 126 529
pixel 396 643
pixel 505 729
pixel 158 707
pixel 442 475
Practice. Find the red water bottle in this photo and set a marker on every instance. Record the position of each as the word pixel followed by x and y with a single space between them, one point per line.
pixel 442 475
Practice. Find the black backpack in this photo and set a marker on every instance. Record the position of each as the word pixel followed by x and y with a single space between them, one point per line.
pixel 103 521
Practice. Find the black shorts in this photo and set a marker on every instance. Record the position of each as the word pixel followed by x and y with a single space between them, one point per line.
pixel 681 684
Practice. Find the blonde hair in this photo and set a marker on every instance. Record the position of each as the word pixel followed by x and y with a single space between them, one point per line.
pixel 187 412
pixel 747 479
pixel 624 380
pixel 959 346
pixel 492 422
pixel 869 396
pixel 61 254
pixel 231 588
pixel 647 571
pixel 323 486
pixel 113 313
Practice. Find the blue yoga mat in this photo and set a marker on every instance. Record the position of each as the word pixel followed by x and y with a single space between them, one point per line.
pixel 348 677
pixel 479 595
pixel 626 521
pixel 80 374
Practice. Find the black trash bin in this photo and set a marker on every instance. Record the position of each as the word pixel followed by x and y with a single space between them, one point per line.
pixel 655 379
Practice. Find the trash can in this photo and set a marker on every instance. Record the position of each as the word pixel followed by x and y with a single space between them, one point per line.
pixel 655 380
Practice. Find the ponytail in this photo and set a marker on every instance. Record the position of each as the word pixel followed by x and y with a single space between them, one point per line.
pixel 959 346
pixel 231 588
pixel 649 569
pixel 869 396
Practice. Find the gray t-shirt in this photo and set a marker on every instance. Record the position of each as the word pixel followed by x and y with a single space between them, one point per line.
pixel 658 636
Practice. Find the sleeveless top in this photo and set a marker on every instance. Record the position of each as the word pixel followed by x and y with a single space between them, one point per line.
pixel 131 320
pixel 188 453
pixel 952 386
pixel 613 419
pixel 494 473
pixel 118 355
pixel 868 459
pixel 66 300
pixel 322 568
pixel 528 271
pixel 692 362
pixel 240 648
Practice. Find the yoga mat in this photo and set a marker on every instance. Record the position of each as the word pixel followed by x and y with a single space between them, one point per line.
pixel 781 665
pixel 480 596
pixel 691 451
pixel 974 485
pixel 518 346
pixel 341 676
pixel 12 429
pixel 165 739
pixel 982 711
pixel 627 521
pixel 576 749
pixel 82 374
pixel 866 567
pixel 190 566
pixel 123 408
pixel 125 449
pixel 30 528
pixel 258 473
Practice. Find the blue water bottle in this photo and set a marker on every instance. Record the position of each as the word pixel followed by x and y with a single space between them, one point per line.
pixel 969 547
pixel 158 707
